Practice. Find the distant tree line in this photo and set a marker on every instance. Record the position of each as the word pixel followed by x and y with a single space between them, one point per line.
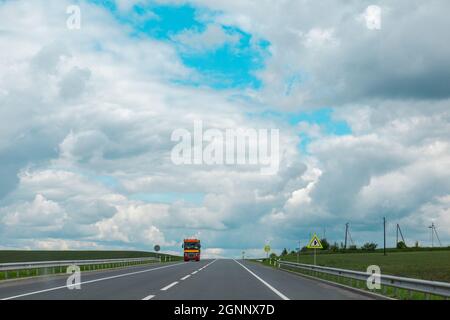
pixel 366 247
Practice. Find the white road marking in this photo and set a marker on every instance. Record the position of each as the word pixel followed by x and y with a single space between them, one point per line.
pixel 278 293
pixel 210 263
pixel 149 297
pixel 169 286
pixel 92 281
pixel 184 278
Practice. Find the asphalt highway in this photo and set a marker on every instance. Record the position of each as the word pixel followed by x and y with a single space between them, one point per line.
pixel 204 280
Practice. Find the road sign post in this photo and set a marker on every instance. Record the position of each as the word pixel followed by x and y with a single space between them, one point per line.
pixel 157 247
pixel 314 243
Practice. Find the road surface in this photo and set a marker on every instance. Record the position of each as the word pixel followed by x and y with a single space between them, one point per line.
pixel 204 280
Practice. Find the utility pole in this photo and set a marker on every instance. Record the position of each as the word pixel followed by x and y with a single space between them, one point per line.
pixel 384 231
pixel 432 235
pixel 437 236
pixel 346 233
pixel 399 232
pixel 396 241
pixel 298 252
pixel 434 231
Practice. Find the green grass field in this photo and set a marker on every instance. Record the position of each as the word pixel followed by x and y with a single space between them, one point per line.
pixel 7 256
pixel 43 255
pixel 428 265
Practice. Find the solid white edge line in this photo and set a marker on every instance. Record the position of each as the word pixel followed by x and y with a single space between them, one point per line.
pixel 278 293
pixel 169 286
pixel 149 297
pixel 184 278
pixel 91 281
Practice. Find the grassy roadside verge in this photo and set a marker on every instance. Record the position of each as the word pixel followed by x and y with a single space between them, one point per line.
pixel 387 291
pixel 7 256
pixel 26 256
pixel 426 265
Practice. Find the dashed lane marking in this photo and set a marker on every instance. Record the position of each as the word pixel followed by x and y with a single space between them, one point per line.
pixel 169 286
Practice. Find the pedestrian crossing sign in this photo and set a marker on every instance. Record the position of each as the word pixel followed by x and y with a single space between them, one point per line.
pixel 314 243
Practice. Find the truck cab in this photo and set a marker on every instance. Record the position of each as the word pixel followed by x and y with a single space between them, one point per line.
pixel 191 249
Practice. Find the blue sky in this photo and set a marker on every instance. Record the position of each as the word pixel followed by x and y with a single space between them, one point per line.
pixel 232 65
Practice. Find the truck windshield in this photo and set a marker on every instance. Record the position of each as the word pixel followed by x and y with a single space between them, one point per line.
pixel 191 245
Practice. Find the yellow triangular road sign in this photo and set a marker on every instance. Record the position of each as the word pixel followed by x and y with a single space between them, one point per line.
pixel 314 243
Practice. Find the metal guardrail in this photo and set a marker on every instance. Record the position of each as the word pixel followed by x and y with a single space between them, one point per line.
pixel 424 286
pixel 16 266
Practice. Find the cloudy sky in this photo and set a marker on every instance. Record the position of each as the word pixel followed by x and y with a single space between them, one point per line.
pixel 86 117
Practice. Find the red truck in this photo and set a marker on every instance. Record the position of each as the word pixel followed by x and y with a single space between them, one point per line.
pixel 191 249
